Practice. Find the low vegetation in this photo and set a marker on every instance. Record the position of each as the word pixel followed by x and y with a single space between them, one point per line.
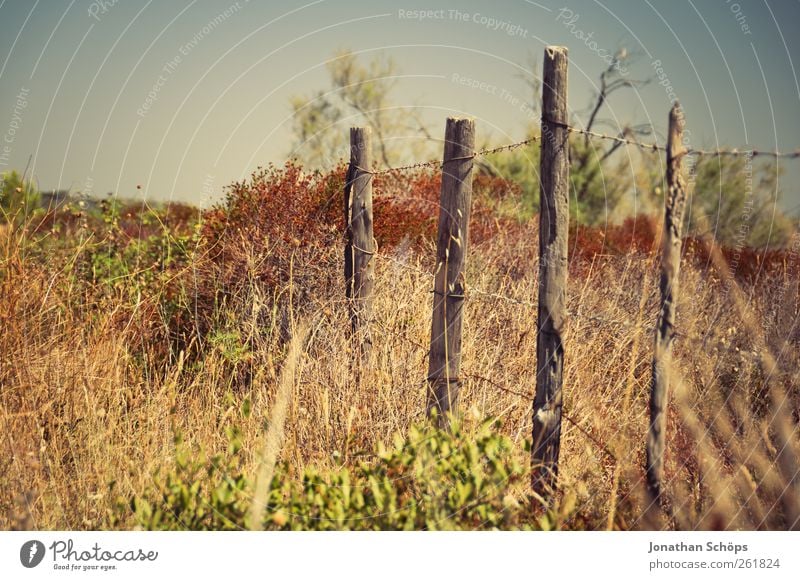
pixel 166 368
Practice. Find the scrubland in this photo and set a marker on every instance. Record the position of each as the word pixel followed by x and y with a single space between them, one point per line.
pixel 167 368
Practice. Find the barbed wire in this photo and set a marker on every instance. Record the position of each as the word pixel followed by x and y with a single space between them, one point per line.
pixel 530 397
pixel 616 138
pixel 746 152
pixel 653 147
pixel 405 265
pixel 706 340
pixel 484 295
pixel 509 147
pixel 440 163
pixel 692 152
pixel 471 292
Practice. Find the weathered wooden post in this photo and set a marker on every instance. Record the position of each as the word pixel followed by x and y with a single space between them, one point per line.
pixel 674 205
pixel 359 270
pixel 451 250
pixel 553 232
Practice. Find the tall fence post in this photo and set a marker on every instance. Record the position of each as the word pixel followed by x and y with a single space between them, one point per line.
pixel 553 234
pixel 451 250
pixel 359 269
pixel 674 205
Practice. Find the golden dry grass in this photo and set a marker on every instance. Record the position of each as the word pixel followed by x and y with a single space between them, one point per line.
pixel 85 420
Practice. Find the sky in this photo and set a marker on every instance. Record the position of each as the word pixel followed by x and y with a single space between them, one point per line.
pixel 185 97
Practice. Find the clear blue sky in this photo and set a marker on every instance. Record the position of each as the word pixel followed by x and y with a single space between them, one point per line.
pixel 76 75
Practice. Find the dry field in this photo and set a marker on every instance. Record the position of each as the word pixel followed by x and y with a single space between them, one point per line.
pixel 100 369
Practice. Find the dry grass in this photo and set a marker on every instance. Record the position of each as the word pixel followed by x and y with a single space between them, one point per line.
pixel 85 419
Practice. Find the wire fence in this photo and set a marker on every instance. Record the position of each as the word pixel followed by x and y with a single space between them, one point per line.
pixel 652 147
pixel 475 293
pixel 619 322
pixel 554 317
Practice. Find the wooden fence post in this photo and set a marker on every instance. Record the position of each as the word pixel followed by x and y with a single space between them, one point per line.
pixel 553 233
pixel 451 250
pixel 674 205
pixel 359 269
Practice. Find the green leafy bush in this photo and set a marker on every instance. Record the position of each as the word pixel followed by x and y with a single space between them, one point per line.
pixel 200 494
pixel 429 479
pixel 18 198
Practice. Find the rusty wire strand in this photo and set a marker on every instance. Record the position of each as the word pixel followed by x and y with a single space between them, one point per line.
pixel 473 293
pixel 438 163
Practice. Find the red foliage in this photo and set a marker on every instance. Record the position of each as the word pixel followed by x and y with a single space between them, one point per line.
pixel 634 235
pixel 279 215
pixel 407 207
pixel 283 220
pixel 282 224
pixel 746 264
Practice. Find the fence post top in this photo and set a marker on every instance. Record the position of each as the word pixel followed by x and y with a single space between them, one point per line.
pixel 552 49
pixel 676 116
pixel 460 119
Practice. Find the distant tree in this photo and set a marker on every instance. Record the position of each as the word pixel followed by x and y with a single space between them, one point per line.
pixel 521 166
pixel 597 184
pixel 605 187
pixel 737 202
pixel 317 137
pixel 356 90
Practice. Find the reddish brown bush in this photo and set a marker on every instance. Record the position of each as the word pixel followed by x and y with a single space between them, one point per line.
pixel 407 207
pixel 749 265
pixel 278 223
pixel 284 223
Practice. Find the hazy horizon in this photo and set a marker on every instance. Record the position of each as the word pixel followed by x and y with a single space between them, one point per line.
pixel 185 98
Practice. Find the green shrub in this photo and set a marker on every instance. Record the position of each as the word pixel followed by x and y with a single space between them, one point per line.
pixel 18 198
pixel 199 494
pixel 429 479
